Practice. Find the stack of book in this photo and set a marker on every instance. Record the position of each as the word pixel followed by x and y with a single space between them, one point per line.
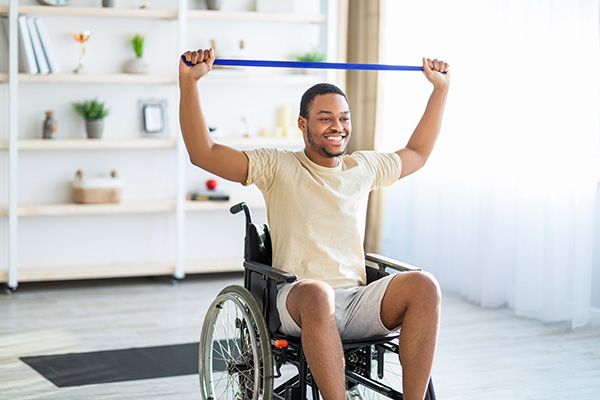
pixel 36 55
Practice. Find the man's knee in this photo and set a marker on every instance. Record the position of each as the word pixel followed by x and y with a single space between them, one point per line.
pixel 312 298
pixel 410 287
pixel 425 286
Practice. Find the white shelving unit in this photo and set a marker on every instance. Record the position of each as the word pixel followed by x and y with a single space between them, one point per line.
pixel 177 208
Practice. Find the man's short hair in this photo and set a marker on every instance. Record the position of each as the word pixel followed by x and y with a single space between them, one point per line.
pixel 317 90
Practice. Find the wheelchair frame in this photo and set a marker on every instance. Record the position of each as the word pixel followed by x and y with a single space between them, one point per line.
pixel 261 281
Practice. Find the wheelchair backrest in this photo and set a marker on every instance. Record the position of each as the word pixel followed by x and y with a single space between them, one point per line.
pixel 257 246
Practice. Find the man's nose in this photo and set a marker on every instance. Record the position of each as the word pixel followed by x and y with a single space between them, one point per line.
pixel 337 125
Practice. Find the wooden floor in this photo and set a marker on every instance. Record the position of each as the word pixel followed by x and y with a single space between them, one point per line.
pixel 482 354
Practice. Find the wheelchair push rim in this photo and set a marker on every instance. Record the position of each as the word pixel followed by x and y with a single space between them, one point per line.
pixel 235 352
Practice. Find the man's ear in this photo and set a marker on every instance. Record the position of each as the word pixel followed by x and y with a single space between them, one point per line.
pixel 302 123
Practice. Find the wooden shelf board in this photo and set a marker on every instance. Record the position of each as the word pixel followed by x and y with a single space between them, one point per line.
pixel 35 274
pixel 96 144
pixel 214 265
pixel 217 205
pixel 244 77
pixel 119 12
pixel 99 78
pixel 42 210
pixel 3 77
pixel 3 144
pixel 254 16
pixel 3 210
pixel 111 12
pixel 293 141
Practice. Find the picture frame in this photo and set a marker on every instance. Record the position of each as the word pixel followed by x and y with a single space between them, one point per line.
pixel 153 117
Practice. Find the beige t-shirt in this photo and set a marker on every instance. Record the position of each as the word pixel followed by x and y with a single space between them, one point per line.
pixel 316 214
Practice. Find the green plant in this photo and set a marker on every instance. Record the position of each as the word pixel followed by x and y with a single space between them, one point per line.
pixel 138 44
pixel 314 56
pixel 91 109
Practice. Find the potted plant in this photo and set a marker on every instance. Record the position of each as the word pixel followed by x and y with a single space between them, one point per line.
pixel 93 112
pixel 310 56
pixel 137 65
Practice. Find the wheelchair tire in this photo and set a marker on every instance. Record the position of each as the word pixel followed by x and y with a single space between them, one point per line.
pixel 235 360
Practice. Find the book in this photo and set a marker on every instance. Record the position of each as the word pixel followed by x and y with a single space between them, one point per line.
pixel 26 56
pixel 46 45
pixel 209 196
pixel 38 50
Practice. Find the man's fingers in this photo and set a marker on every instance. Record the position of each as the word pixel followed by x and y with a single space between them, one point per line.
pixel 194 58
pixel 211 57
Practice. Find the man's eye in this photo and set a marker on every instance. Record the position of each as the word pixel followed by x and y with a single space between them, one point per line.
pixel 325 119
pixel 345 119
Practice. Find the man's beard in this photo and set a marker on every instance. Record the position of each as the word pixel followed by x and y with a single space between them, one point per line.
pixel 322 150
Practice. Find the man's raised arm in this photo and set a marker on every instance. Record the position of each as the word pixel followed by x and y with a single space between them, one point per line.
pixel 215 158
pixel 421 143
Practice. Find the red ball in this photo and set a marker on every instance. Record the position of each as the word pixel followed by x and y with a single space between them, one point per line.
pixel 211 184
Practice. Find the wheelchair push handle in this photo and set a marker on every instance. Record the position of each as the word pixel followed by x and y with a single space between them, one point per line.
pixel 242 207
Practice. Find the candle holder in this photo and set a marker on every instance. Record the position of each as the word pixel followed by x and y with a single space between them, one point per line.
pixel 81 38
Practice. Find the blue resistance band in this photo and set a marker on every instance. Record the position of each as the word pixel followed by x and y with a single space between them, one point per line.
pixel 309 64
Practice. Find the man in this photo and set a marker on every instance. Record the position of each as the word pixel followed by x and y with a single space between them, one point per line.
pixel 316 202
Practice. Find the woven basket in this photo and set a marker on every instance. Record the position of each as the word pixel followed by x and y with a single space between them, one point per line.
pixel 97 190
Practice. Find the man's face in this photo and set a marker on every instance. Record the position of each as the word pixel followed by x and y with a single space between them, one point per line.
pixel 327 129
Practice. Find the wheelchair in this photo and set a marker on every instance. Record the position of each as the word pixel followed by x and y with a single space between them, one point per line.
pixel 242 354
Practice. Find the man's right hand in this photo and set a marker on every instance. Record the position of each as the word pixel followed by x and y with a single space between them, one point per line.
pixel 202 62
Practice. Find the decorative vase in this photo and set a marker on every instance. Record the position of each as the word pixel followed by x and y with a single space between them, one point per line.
pixel 108 3
pixel 49 125
pixel 94 127
pixel 214 4
pixel 136 66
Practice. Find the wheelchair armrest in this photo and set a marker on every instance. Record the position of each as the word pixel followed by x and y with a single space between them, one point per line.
pixel 384 262
pixel 270 272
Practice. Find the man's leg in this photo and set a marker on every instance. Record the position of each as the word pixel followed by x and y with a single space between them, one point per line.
pixel 412 300
pixel 311 305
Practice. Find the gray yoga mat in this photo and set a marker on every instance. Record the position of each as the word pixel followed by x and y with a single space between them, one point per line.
pixel 77 369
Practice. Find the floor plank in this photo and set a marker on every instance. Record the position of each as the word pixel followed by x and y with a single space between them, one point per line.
pixel 482 354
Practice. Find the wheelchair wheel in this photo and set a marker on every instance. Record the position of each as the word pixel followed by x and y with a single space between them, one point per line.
pixel 235 349
pixel 390 375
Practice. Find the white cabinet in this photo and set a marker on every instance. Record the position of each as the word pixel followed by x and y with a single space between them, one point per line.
pixel 154 230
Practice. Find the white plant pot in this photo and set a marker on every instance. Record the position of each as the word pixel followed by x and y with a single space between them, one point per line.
pixel 136 66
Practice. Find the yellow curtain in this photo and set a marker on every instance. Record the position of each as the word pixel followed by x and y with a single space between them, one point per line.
pixel 361 88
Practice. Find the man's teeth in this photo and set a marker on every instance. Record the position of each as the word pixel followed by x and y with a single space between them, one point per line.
pixel 335 138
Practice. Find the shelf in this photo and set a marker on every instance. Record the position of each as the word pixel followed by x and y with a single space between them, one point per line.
pixel 118 12
pixel 218 205
pixel 246 78
pixel 34 274
pixel 220 77
pixel 94 12
pixel 215 265
pixel 99 78
pixel 96 144
pixel 46 210
pixel 294 141
pixel 254 16
pixel 3 144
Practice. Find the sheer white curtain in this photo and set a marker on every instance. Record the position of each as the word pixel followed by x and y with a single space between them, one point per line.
pixel 503 212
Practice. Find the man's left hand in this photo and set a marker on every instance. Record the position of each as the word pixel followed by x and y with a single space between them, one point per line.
pixel 437 72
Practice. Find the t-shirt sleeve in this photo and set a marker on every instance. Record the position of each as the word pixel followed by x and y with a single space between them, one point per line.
pixel 262 168
pixel 386 167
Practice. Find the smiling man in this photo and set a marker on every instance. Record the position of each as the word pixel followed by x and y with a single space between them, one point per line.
pixel 316 205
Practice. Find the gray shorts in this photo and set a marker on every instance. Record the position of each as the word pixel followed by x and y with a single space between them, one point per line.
pixel 357 310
